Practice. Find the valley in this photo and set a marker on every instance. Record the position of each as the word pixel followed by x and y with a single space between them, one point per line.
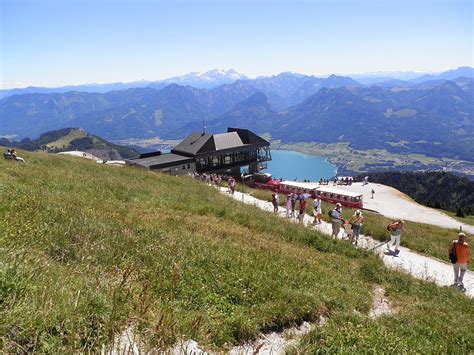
pixel 422 124
pixel 351 161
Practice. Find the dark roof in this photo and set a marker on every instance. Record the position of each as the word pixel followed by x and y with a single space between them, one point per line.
pixel 204 144
pixel 148 155
pixel 248 137
pixel 192 144
pixel 162 161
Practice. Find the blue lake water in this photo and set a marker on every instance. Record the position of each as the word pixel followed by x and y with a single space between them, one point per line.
pixel 291 165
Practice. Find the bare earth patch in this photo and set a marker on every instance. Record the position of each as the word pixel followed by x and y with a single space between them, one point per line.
pixel 381 305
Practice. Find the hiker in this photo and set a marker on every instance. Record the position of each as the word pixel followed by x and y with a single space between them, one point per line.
pixel 317 210
pixel 232 185
pixel 8 154
pixel 302 212
pixel 275 201
pixel 336 218
pixel 396 230
pixel 288 204
pixel 294 197
pixel 462 257
pixel 13 155
pixel 372 192
pixel 356 223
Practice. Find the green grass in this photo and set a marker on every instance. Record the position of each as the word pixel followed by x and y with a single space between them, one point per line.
pixel 87 250
pixel 427 239
pixel 467 219
pixel 67 139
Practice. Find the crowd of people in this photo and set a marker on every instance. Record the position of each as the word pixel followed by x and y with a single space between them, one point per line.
pixel 217 180
pixel 458 251
pixel 296 206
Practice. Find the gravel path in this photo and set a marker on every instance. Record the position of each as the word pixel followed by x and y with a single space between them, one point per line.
pixel 419 266
pixel 392 203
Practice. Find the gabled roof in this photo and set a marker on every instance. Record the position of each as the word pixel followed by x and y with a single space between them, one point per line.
pixel 192 144
pixel 248 137
pixel 202 144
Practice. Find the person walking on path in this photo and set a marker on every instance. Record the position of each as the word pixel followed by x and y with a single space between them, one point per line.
pixel 275 201
pixel 232 186
pixel 372 192
pixel 356 223
pixel 294 197
pixel 317 210
pixel 461 251
pixel 396 230
pixel 288 204
pixel 336 219
pixel 302 210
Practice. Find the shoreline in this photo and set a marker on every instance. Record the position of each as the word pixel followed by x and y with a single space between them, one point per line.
pixel 354 162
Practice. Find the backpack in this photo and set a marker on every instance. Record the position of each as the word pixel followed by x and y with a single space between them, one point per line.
pixel 452 255
pixel 330 213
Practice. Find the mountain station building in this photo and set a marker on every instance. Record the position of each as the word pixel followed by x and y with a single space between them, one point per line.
pixel 210 153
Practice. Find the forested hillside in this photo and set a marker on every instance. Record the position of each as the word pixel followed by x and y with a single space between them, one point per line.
pixel 433 189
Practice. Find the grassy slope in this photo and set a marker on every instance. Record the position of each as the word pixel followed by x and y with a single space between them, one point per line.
pixel 66 140
pixel 86 250
pixel 467 219
pixel 424 238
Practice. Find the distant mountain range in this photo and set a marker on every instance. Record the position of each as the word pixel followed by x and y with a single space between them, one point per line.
pixel 206 80
pixel 434 117
pixel 217 77
pixel 170 112
pixel 416 77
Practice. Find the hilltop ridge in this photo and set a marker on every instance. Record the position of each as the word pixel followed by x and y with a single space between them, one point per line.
pixel 68 139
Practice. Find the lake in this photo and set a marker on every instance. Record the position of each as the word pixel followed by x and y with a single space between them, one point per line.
pixel 291 165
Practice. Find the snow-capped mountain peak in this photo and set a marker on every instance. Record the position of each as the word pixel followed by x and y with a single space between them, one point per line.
pixel 207 79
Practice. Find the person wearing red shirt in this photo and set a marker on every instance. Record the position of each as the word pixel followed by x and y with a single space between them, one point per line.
pixel 302 210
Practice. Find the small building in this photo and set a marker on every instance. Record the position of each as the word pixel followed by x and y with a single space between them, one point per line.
pixel 209 153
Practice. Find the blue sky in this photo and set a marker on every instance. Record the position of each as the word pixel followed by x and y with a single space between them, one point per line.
pixel 60 42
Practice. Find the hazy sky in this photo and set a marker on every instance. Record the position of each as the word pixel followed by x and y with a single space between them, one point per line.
pixel 59 42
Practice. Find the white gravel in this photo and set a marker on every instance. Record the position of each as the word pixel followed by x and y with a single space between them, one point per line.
pixel 393 203
pixel 381 305
pixel 81 154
